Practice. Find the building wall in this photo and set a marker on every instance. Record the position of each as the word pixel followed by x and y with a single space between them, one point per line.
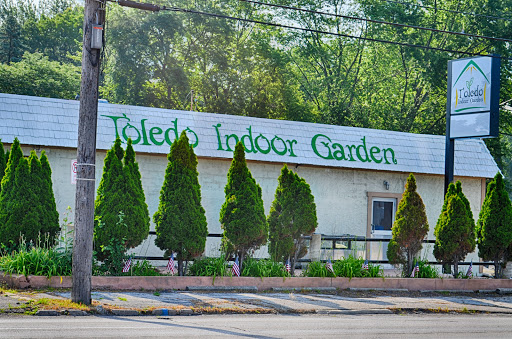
pixel 341 195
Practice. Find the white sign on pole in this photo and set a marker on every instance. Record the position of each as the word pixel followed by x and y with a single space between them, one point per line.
pixel 73 172
pixel 473 95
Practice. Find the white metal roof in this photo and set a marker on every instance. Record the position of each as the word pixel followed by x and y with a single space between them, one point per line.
pixel 54 122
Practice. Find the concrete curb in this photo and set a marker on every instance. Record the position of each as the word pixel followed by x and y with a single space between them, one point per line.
pixel 221 288
pixel 166 283
pixel 356 312
pixel 47 313
pixel 305 289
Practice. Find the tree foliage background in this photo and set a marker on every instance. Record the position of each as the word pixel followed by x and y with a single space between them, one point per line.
pixel 242 68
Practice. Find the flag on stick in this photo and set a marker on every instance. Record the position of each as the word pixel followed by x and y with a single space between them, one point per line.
pixel 288 267
pixel 469 274
pixel 170 265
pixel 236 269
pixel 415 270
pixel 365 265
pixel 127 265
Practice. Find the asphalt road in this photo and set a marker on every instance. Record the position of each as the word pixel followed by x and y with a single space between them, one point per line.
pixel 261 326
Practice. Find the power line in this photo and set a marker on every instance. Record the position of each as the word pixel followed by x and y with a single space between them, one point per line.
pixel 449 10
pixel 377 21
pixel 311 30
pixel 156 8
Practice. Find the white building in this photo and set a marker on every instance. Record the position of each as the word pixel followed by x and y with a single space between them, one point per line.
pixel 357 175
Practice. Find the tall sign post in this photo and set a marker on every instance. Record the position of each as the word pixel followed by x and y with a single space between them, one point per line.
pixel 472 106
pixel 94 16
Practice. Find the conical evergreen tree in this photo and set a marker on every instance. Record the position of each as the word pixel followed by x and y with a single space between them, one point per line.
pixel 242 215
pixel 292 216
pixel 23 218
pixel 409 229
pixel 180 220
pixel 3 163
pixel 50 216
pixel 137 216
pixel 7 222
pixel 455 229
pixel 494 227
pixel 110 203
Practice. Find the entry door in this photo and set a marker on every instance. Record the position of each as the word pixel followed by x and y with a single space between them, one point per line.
pixel 382 219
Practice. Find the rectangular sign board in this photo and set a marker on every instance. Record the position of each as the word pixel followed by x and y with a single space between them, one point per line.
pixel 473 97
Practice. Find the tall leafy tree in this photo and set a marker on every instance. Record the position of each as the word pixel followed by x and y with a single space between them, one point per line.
pixel 57 34
pixel 242 215
pixel 118 220
pixel 494 227
pixel 292 216
pixel 11 45
pixel 37 76
pixel 409 229
pixel 455 229
pixel 180 220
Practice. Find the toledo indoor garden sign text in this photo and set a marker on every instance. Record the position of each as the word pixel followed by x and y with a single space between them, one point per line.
pixel 255 141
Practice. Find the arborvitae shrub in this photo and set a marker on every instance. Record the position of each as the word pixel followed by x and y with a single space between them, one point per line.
pixel 50 218
pixel 455 229
pixel 242 215
pixel 292 216
pixel 137 216
pixel 180 220
pixel 494 227
pixel 118 194
pixel 3 163
pixel 409 229
pixel 27 201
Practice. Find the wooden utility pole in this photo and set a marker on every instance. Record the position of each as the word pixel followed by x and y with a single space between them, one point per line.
pixel 94 15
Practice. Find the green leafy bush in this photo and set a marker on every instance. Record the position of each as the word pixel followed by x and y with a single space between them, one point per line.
pixel 142 268
pixel 347 267
pixel 317 269
pixel 113 254
pixel 353 267
pixel 426 270
pixel 41 260
pixel 263 268
pixel 208 267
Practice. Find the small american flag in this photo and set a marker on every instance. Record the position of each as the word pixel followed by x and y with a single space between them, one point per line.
pixel 415 270
pixel 126 267
pixel 365 265
pixel 170 264
pixel 328 265
pixel 236 269
pixel 288 267
pixel 469 274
